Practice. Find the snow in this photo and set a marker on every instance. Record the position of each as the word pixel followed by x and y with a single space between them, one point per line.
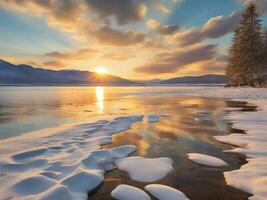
pixel 207 160
pixel 145 169
pixel 127 192
pixel 33 185
pixel 63 163
pixel 163 192
pixel 84 181
pixel 58 192
pixel 251 177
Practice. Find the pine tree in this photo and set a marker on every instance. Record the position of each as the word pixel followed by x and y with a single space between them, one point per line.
pixel 246 58
pixel 264 54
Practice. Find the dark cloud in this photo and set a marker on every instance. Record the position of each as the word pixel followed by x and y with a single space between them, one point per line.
pixel 66 10
pixel 173 61
pixel 59 10
pixel 168 29
pixel 124 11
pixel 110 36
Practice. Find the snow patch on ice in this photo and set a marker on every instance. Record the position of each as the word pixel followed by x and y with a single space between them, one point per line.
pixel 145 169
pixel 127 192
pixel 64 164
pixel 207 160
pixel 163 192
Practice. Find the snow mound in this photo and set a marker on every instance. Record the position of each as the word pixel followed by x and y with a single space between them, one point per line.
pixel 63 163
pixel 152 118
pixel 33 185
pixel 145 169
pixel 207 160
pixel 163 192
pixel 59 192
pixel 28 154
pixel 84 181
pixel 127 192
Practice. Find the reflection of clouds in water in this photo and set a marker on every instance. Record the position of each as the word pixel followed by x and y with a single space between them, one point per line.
pixel 143 145
pixel 100 97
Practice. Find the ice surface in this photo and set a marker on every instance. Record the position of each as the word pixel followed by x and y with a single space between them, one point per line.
pixel 163 192
pixel 145 169
pixel 152 118
pixel 207 160
pixel 61 163
pixel 122 151
pixel 127 192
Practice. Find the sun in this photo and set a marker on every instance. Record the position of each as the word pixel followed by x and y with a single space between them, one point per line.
pixel 101 70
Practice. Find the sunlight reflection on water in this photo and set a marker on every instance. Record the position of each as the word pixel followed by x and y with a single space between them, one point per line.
pixel 100 97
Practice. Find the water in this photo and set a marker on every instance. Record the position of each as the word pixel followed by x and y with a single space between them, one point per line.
pixel 190 128
pixel 188 125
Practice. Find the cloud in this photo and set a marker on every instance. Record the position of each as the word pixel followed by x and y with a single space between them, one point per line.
pixel 159 6
pixel 216 27
pixel 120 56
pixel 169 62
pixel 82 54
pixel 124 11
pixel 110 36
pixel 65 14
pixel 162 29
pixel 53 64
pixel 152 24
pixel 168 29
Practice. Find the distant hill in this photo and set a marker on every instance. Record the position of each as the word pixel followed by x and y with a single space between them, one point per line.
pixel 205 79
pixel 11 74
pixel 26 74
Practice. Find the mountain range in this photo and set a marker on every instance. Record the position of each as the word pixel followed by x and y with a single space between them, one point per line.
pixel 11 74
pixel 26 74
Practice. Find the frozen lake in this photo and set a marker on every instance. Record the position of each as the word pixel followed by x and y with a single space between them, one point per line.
pixel 182 125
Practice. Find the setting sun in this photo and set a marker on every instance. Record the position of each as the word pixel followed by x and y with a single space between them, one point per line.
pixel 101 70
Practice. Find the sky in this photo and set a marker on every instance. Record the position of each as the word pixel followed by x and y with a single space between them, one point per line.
pixel 134 39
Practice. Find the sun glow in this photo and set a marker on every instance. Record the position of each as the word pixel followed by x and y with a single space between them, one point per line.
pixel 101 70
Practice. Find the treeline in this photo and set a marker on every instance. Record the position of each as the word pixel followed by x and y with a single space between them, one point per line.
pixel 248 52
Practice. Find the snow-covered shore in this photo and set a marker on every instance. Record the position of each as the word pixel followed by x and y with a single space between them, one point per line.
pixel 66 163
